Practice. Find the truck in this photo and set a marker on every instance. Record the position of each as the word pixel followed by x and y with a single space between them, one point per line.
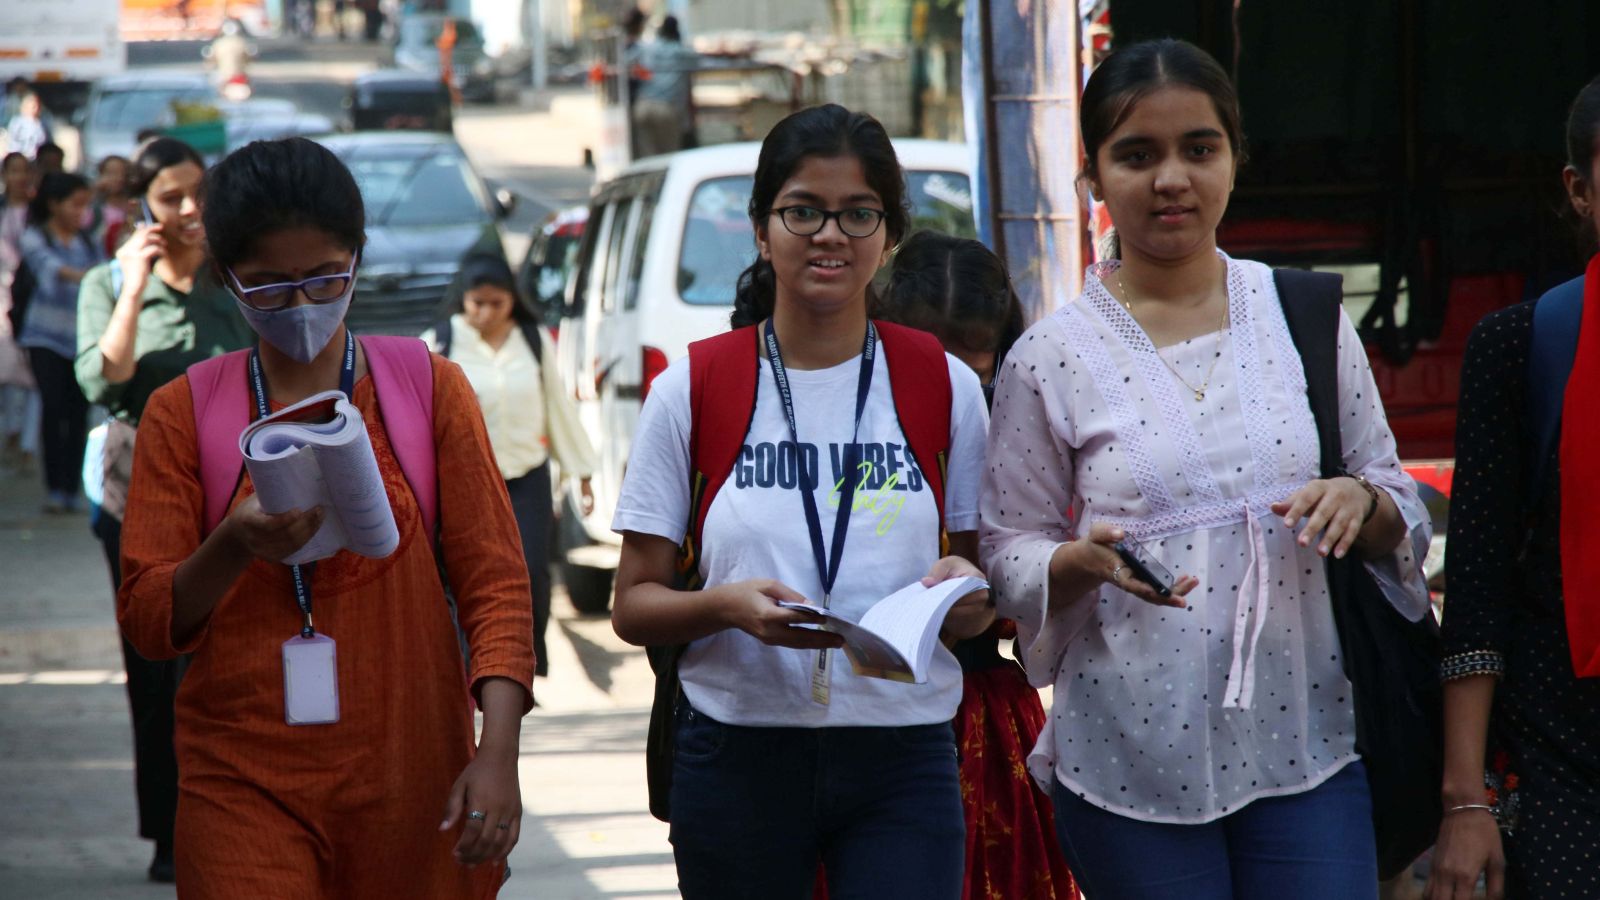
pixel 61 46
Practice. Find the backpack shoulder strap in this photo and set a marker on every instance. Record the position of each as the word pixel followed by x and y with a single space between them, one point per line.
pixel 919 377
pixel 1557 316
pixel 443 336
pixel 533 333
pixel 402 374
pixel 1311 303
pixel 723 373
pixel 221 401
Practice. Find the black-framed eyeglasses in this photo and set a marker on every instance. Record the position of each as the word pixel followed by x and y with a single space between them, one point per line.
pixel 856 222
pixel 320 289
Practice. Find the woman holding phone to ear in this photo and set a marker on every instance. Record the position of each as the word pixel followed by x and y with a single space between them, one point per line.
pixel 143 319
pixel 1201 744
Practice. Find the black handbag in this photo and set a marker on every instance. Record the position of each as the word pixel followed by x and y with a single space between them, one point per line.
pixel 1392 663
pixel 660 742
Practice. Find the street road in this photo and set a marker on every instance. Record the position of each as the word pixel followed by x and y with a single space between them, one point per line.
pixel 67 822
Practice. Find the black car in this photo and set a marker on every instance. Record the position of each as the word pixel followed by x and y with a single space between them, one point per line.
pixel 426 208
pixel 390 99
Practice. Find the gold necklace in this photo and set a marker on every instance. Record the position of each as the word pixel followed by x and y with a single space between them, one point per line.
pixel 1200 391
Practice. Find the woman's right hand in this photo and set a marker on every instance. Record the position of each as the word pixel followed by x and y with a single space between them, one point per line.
pixel 1086 563
pixel 1469 846
pixel 752 607
pixel 138 253
pixel 268 536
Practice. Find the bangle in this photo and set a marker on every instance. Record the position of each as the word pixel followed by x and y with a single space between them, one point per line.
pixel 1372 493
pixel 1466 806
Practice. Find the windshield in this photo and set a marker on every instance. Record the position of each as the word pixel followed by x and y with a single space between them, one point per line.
pixel 133 110
pixel 436 188
pixel 718 242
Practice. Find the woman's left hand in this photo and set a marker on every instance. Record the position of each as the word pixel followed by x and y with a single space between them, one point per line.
pixel 972 614
pixel 1334 510
pixel 586 490
pixel 488 785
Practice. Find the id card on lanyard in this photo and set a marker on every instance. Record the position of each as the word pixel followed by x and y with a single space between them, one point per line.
pixel 310 660
pixel 827 563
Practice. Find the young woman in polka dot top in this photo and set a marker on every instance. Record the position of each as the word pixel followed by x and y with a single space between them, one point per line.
pixel 1522 689
pixel 1200 745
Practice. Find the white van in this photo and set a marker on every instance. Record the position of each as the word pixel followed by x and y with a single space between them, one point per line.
pixel 664 245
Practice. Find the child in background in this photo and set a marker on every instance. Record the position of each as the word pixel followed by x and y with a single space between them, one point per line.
pixel 958 289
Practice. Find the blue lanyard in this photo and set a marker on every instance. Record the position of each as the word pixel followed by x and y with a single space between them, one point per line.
pixel 258 384
pixel 827 565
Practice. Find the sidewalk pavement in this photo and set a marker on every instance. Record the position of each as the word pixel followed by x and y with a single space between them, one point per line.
pixel 67 820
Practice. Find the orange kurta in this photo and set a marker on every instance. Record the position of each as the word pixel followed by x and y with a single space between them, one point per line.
pixel 352 809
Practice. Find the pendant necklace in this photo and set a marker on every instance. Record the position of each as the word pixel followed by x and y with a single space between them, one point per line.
pixel 1198 391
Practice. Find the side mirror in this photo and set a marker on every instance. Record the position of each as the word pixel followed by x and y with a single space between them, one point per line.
pixel 79 116
pixel 505 202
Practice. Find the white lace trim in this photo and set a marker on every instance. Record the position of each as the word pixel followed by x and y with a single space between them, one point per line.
pixel 1108 380
pixel 1293 373
pixel 1159 379
pixel 1201 516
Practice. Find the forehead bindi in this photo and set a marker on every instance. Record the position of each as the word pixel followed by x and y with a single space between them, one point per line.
pixel 834 182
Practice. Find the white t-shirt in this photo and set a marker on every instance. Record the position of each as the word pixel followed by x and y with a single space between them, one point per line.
pixel 756 528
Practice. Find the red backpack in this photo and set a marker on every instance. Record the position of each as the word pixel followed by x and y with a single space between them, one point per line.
pixel 724 373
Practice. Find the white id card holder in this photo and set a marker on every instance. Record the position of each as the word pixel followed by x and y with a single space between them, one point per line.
pixel 310 681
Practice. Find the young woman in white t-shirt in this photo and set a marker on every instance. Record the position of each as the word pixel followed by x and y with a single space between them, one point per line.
pixel 769 779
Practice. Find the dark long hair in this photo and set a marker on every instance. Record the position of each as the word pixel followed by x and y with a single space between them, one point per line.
pixel 956 288
pixel 824 132
pixel 54 187
pixel 267 186
pixel 1137 70
pixel 478 268
pixel 155 155
pixel 1583 129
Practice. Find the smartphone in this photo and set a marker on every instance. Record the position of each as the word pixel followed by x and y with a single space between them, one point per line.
pixel 144 211
pixel 1144 566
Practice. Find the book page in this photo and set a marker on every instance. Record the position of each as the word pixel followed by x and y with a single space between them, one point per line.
pixel 869 654
pixel 318 453
pixel 910 618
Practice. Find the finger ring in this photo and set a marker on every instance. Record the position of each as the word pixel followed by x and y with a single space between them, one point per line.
pixel 504 826
pixel 475 815
pixel 1116 574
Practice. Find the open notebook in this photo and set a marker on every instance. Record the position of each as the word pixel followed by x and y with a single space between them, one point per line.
pixel 895 639
pixel 317 453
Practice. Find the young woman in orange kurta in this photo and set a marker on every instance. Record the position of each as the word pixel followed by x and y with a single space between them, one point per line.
pixel 351 809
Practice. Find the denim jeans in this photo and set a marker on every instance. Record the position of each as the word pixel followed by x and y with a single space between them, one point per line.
pixel 1314 845
pixel 754 810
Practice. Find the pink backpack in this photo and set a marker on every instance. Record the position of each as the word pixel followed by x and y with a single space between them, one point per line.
pixel 402 373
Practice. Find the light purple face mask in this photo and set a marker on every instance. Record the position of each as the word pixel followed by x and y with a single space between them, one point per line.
pixel 301 332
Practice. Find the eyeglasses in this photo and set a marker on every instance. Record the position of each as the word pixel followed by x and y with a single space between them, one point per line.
pixel 321 289
pixel 856 222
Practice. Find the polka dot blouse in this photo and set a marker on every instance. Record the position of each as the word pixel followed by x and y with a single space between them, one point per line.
pixel 1182 715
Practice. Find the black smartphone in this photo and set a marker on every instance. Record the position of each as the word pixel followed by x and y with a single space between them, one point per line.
pixel 1144 566
pixel 144 211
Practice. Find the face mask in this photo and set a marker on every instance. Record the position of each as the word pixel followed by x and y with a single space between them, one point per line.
pixel 299 331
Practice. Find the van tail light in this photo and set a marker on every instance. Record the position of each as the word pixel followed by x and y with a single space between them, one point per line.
pixel 655 362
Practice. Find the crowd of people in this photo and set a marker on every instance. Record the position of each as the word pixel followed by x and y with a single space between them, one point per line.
pixel 1138 479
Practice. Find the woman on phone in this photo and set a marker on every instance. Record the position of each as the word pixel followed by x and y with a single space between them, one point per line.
pixel 143 319
pixel 784 756
pixel 393 798
pixel 1201 743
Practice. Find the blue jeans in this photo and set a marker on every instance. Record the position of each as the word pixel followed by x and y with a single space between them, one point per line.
pixel 754 810
pixel 1315 845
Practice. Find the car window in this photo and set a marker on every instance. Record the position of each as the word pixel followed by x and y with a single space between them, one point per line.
pixel 133 110
pixel 641 238
pixel 615 251
pixel 550 279
pixel 431 189
pixel 718 242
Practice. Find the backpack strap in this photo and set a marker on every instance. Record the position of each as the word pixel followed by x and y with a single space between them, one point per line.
pixel 1557 317
pixel 534 335
pixel 919 378
pixel 1311 303
pixel 402 374
pixel 443 336
pixel 723 373
pixel 221 411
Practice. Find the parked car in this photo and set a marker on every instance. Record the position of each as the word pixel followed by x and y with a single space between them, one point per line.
pixel 416 49
pixel 551 258
pixel 664 243
pixel 426 207
pixel 121 106
pixel 392 99
pixel 268 119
